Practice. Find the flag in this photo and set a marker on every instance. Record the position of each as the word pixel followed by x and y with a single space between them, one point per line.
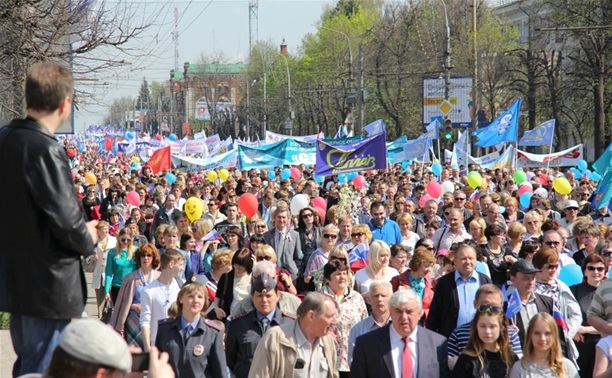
pixel 605 188
pixel 559 319
pixel 212 236
pixel 160 160
pixel 375 127
pixel 502 129
pixel 433 129
pixel 603 164
pixel 417 148
pixel 341 132
pixel 514 304
pixel 475 196
pixel 540 135
pixel 358 256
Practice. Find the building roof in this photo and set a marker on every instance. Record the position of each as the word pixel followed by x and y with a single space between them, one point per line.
pixel 212 68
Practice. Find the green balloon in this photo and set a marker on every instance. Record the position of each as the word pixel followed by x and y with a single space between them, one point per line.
pixel 519 177
pixel 474 179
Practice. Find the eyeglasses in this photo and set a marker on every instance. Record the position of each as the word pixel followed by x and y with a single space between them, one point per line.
pixel 261 226
pixel 552 243
pixel 262 258
pixel 145 256
pixel 212 204
pixel 357 234
pixel 490 309
pixel 330 236
pixel 309 215
pixel 572 209
pixel 551 266
pixel 607 253
pixel 459 199
pixel 595 268
pixel 124 240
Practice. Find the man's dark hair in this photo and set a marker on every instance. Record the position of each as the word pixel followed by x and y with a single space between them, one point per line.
pixel 46 85
pixel 376 205
pixel 64 365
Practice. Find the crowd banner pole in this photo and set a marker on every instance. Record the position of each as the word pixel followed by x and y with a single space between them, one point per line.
pixel 550 147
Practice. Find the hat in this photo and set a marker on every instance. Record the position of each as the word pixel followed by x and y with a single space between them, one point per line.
pixel 130 221
pixel 92 341
pixel 522 266
pixel 263 283
pixel 571 204
pixel 442 252
pixel 257 171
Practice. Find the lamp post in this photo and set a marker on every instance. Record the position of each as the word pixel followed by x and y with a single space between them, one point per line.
pixel 289 122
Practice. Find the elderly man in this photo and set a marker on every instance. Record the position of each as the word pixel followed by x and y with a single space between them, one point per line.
pixel 452 233
pixel 554 240
pixel 380 293
pixel 402 348
pixel 383 228
pixel 164 215
pixel 494 216
pixel 304 348
pixel 459 201
pixel 452 304
pixel 286 242
pixel 245 331
pixel 430 211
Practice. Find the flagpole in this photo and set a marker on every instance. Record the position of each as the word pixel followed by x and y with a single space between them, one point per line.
pixel 550 147
pixel 438 138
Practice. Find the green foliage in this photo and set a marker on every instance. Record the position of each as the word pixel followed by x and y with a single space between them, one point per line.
pixel 5 319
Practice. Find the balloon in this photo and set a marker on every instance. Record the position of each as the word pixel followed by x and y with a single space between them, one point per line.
pixel 136 159
pixel 319 179
pixel 575 171
pixel 405 165
pixel 70 153
pixel 527 183
pixel 424 199
pixel 529 175
pixel 541 192
pixel 562 186
pixel 342 178
pixel 448 187
pixel 194 207
pixel 351 176
pixel 524 189
pixel 434 189
pixel 571 274
pixel 454 166
pixel 319 202
pixel 502 209
pixel 212 176
pixel 133 198
pixel 359 182
pixel 298 202
pixel 129 135
pixel 158 137
pixel 247 203
pixel 543 179
pixel 474 179
pixel 525 199
pixel 582 165
pixel 321 212
pixel 586 173
pixel 436 168
pixel 224 174
pixel 295 173
pixel 271 174
pixel 91 178
pixel 594 177
pixel 520 176
pixel 135 167
pixel 170 178
pixel 285 174
pixel 172 137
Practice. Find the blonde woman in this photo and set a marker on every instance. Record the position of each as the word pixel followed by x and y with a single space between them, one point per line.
pixel 120 263
pixel 283 277
pixel 98 260
pixel 533 224
pixel 409 238
pixel 378 268
pixel 477 228
pixel 329 237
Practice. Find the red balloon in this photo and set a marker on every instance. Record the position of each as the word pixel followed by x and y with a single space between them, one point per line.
pixel 319 202
pixel 321 212
pixel 70 153
pixel 158 137
pixel 248 204
pixel 543 179
pixel 295 173
pixel 524 189
pixel 434 189
pixel 359 182
pixel 424 199
pixel 133 198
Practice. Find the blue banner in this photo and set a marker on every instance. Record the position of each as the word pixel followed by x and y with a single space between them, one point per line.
pixel 417 148
pixel 376 127
pixel 370 153
pixel 541 135
pixel 502 129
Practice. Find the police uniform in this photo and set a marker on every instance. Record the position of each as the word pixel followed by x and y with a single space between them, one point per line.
pixel 200 355
pixel 243 336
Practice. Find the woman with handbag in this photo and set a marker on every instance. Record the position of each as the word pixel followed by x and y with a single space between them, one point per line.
pixel 126 314
pixel 96 263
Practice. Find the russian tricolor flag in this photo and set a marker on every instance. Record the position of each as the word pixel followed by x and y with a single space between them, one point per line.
pixel 212 235
pixel 475 196
pixel 358 256
pixel 560 320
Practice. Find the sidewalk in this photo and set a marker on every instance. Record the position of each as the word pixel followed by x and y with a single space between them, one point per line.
pixel 7 355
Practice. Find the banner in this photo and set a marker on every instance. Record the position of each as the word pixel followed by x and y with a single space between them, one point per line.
pixel 227 160
pixel 494 160
pixel 569 157
pixel 212 141
pixel 417 148
pixel 285 152
pixel 370 153
pixel 541 135
pixel 223 108
pixel 130 147
pixel 376 127
pixel 502 129
pixel 433 129
pixel 274 137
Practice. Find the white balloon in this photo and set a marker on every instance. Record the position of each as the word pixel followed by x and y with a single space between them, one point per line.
pixel 541 192
pixel 447 187
pixel 527 183
pixel 298 202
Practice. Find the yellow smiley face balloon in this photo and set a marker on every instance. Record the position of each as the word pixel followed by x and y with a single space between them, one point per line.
pixel 194 208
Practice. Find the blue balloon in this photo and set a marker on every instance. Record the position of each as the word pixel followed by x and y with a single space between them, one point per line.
pixel 135 167
pixel 454 166
pixel 594 177
pixel 172 137
pixel 286 174
pixel 170 178
pixel 319 179
pixel 571 274
pixel 408 170
pixel 271 174
pixel 525 199
pixel 436 168
pixel 582 165
pixel 575 171
pixel 351 176
pixel 342 178
pixel 129 135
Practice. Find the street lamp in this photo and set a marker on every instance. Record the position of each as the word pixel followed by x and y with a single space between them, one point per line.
pixel 289 122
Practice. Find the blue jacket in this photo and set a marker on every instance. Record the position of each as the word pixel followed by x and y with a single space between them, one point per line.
pixel 389 232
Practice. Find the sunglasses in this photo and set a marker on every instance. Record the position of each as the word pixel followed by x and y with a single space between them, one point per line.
pixel 490 309
pixel 212 204
pixel 596 268
pixel 309 215
pixel 262 258
pixel 430 248
pixel 330 236
pixel 459 199
pixel 607 253
pixel 124 240
pixel 147 255
pixel 357 234
pixel 261 226
pixel 551 266
pixel 552 243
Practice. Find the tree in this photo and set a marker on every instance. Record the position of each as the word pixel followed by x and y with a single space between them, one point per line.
pixel 143 102
pixel 118 111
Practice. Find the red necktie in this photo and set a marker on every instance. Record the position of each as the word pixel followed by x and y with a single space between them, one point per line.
pixel 406 360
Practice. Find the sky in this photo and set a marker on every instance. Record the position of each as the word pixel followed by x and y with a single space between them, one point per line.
pixel 205 27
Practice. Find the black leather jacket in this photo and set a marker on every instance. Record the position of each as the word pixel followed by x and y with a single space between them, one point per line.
pixel 42 230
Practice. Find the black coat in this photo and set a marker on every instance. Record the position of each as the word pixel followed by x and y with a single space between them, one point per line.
pixel 42 228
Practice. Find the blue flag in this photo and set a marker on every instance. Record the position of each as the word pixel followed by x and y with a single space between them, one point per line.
pixel 604 162
pixel 376 127
pixel 539 136
pixel 514 304
pixel 359 253
pixel 432 129
pixel 502 129
pixel 417 148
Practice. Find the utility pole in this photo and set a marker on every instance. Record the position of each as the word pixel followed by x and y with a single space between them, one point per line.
pixel 361 91
pixel 475 78
pixel 265 107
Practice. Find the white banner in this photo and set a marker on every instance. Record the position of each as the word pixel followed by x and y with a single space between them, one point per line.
pixel 569 157
pixel 274 137
pixel 485 160
pixel 212 142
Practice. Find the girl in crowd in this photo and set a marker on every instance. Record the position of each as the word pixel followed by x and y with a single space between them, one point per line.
pixel 235 285
pixel 488 352
pixel 379 268
pixel 399 257
pixel 329 237
pixel 409 238
pixel 119 264
pixel 542 356
pixel 477 228
pixel 310 233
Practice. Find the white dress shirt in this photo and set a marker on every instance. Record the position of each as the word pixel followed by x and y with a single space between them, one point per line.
pixel 397 348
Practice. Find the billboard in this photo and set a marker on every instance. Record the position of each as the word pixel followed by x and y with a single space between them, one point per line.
pixel 223 108
pixel 460 98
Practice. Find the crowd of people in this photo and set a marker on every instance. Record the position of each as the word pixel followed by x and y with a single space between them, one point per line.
pixel 384 280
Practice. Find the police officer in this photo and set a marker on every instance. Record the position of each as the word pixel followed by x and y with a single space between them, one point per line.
pixel 195 344
pixel 245 331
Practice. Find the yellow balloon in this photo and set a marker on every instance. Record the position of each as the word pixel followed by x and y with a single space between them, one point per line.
pixel 194 208
pixel 91 178
pixel 224 174
pixel 562 186
pixel 136 159
pixel 474 179
pixel 212 176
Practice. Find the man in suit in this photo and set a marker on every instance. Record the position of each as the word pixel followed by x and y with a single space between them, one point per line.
pixel 285 242
pixel 452 304
pixel 402 348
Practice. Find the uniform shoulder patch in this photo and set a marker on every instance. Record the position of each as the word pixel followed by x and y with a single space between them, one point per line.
pixel 288 315
pixel 242 315
pixel 165 321
pixel 214 325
